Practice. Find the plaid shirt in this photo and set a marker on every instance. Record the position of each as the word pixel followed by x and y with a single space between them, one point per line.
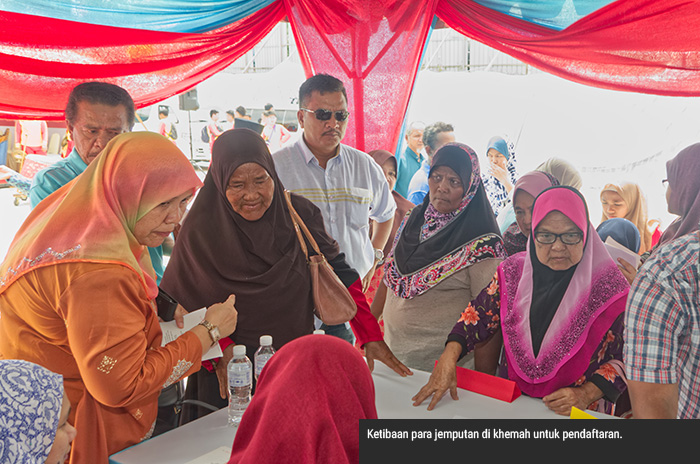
pixel 662 322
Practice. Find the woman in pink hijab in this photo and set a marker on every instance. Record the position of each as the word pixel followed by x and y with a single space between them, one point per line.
pixel 560 308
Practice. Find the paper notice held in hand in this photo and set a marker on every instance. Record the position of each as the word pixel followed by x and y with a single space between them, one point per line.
pixel 171 331
pixel 617 250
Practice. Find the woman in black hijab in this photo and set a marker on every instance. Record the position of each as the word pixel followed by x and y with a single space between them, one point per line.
pixel 239 239
pixel 447 250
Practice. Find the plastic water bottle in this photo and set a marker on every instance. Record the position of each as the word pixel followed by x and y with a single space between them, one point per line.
pixel 263 354
pixel 240 383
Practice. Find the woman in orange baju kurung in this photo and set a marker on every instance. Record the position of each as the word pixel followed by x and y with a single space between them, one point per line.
pixel 77 292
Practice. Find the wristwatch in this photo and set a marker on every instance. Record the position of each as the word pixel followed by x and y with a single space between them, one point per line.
pixel 378 255
pixel 213 331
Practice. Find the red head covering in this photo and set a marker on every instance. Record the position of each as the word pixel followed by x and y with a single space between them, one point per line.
pixel 92 218
pixel 308 402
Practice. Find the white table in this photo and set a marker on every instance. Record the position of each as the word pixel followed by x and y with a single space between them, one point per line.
pixel 393 397
pixel 394 393
pixel 182 444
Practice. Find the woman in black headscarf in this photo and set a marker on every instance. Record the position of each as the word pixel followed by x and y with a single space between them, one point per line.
pixel 447 250
pixel 239 239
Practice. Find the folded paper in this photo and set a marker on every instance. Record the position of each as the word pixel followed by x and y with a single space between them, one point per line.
pixel 487 385
pixel 576 413
pixel 171 331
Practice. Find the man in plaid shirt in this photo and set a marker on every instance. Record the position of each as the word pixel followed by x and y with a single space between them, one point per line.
pixel 662 333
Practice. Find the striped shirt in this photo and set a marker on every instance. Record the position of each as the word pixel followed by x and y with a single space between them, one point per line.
pixel 349 192
pixel 662 322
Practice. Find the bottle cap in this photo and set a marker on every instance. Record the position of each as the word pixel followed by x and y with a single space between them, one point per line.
pixel 265 340
pixel 239 350
pixel 319 332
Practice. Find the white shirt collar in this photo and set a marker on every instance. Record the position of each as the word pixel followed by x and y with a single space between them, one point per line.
pixel 308 155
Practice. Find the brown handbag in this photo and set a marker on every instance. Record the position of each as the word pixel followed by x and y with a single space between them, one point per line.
pixel 333 303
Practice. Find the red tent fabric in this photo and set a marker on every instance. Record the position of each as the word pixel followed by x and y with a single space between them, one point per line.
pixel 647 46
pixel 374 47
pixel 42 59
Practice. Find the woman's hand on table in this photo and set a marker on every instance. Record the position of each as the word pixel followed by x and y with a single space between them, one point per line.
pixel 443 378
pixel 224 316
pixel 380 351
pixel 222 371
pixel 562 400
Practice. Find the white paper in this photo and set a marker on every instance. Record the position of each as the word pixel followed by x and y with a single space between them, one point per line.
pixel 617 250
pixel 218 456
pixel 171 331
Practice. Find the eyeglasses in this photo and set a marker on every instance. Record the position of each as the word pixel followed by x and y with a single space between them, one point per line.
pixel 569 238
pixel 664 182
pixel 325 115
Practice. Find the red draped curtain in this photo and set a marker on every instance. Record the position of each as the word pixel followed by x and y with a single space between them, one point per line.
pixel 647 46
pixel 42 59
pixel 374 47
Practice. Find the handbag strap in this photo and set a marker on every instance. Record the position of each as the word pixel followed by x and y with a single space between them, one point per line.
pixel 299 226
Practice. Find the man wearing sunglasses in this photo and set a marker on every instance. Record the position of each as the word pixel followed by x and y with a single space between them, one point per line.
pixel 346 184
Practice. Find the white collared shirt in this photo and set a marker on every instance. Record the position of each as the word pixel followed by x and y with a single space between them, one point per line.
pixel 349 192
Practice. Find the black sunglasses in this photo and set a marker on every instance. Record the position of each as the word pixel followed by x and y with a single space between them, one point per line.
pixel 325 115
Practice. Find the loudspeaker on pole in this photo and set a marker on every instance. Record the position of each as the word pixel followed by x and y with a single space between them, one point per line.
pixel 188 100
